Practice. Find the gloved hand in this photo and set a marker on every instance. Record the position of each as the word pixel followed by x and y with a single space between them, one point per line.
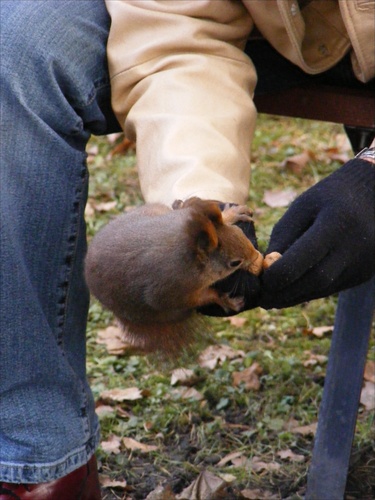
pixel 326 238
pixel 240 283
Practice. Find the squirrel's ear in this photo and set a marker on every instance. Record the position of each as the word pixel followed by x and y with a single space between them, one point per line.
pixel 211 210
pixel 207 208
pixel 203 236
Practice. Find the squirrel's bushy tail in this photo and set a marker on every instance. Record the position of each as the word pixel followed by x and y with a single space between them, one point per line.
pixel 168 342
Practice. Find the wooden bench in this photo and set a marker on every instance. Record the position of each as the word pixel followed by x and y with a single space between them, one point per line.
pixel 355 109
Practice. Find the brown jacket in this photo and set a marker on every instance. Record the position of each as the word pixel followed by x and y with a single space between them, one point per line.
pixel 182 86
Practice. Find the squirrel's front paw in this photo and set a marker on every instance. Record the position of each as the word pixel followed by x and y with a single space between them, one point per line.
pixel 237 213
pixel 231 303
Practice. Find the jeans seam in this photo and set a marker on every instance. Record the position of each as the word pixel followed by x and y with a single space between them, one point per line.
pixel 69 259
pixel 94 93
pixel 73 239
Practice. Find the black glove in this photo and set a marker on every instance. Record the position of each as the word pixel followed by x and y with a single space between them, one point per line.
pixel 326 238
pixel 240 283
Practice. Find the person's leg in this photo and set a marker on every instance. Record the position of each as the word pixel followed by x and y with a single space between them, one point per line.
pixel 54 93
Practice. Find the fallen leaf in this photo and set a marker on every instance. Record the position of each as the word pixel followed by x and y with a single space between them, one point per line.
pixel 319 331
pixel 130 394
pixel 93 150
pixel 207 486
pixel 315 359
pixel 148 426
pixel 190 393
pixel 305 430
pixel 258 465
pixel 343 143
pixel 228 478
pixel 240 461
pixel 289 455
pixel 258 495
pixel 229 458
pixel 342 152
pixel 368 395
pixel 105 206
pixel 369 373
pixel 290 424
pixel 110 332
pixel 340 157
pixel 240 426
pixel 122 413
pixel 183 376
pixel 112 445
pixel 89 209
pixel 104 411
pixel 132 444
pixel 113 338
pixel 216 354
pixel 279 198
pixel 161 492
pixel 107 482
pixel 112 138
pixel 249 377
pixel 123 147
pixel 297 163
pixel 310 362
pixel 237 321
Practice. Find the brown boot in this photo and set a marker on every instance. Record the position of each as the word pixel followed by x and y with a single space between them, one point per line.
pixel 81 484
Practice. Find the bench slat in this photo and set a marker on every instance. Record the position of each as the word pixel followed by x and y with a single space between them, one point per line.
pixel 331 104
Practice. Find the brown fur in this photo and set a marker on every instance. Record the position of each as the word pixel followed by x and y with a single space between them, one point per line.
pixel 154 266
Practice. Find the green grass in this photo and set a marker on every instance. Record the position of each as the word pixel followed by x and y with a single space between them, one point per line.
pixel 194 435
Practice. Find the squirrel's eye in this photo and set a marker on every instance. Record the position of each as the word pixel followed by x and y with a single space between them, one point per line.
pixel 235 263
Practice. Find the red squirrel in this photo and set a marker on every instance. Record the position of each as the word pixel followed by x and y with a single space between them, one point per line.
pixel 153 266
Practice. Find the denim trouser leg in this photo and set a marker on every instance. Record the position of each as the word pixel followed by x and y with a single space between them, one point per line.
pixel 54 93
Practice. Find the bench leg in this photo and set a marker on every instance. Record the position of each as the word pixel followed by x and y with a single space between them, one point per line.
pixel 342 389
pixel 359 137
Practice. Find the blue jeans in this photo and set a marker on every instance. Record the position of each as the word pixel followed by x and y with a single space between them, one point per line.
pixel 54 93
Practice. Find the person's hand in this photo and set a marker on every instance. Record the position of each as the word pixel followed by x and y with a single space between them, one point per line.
pixel 326 238
pixel 239 284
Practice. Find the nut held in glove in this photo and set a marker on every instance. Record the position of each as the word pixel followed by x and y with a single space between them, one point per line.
pixel 270 259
